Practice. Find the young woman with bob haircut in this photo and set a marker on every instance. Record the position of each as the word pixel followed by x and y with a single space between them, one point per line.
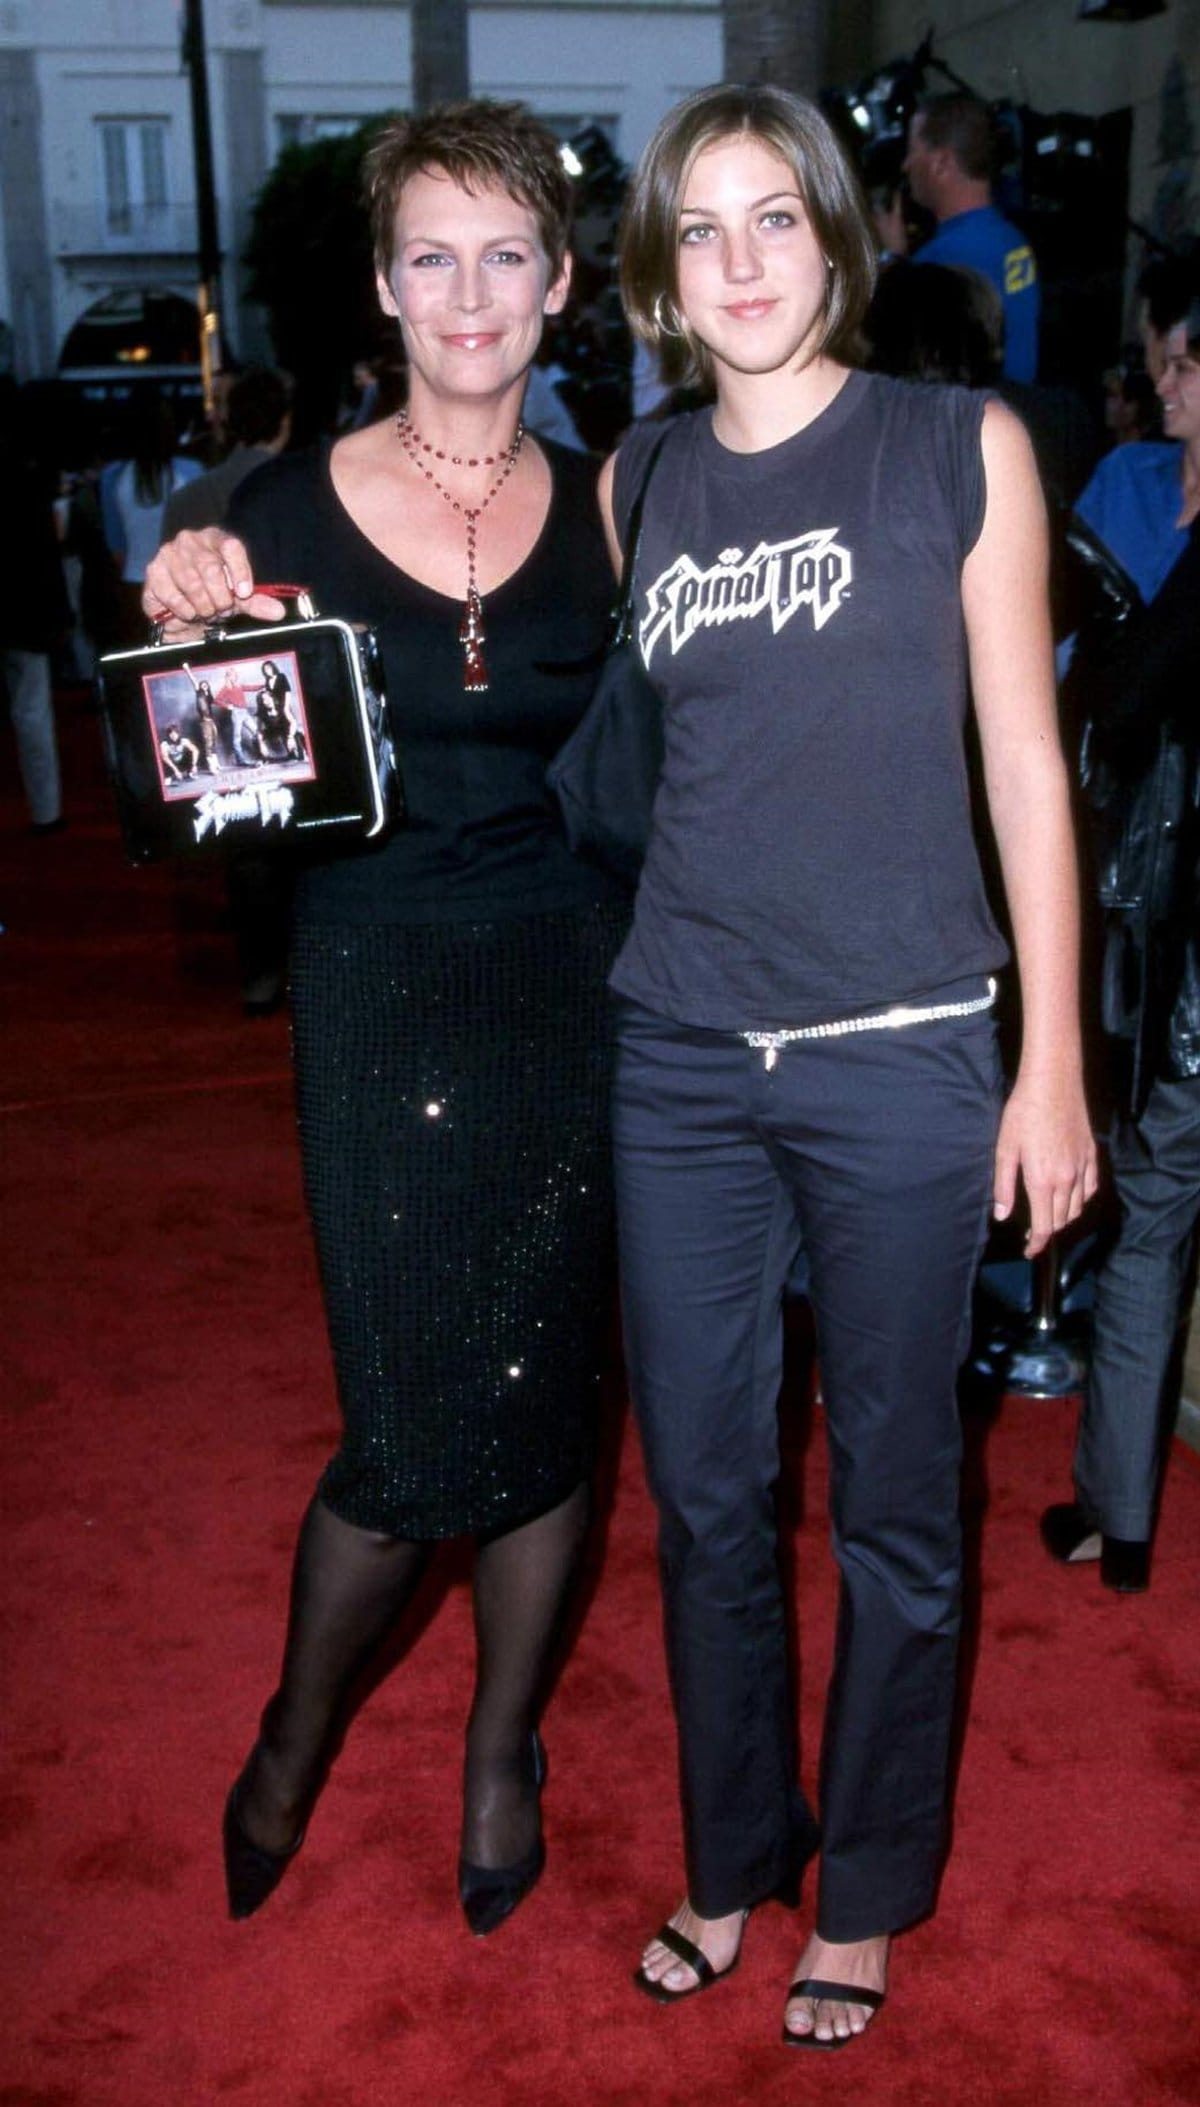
pixel 805 1050
pixel 451 1026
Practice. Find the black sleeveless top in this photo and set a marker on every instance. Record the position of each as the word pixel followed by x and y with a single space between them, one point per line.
pixel 799 610
pixel 482 837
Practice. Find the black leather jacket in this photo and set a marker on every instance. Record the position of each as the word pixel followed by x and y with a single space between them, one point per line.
pixel 1141 778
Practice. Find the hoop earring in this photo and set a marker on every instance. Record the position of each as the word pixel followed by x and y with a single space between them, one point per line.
pixel 674 328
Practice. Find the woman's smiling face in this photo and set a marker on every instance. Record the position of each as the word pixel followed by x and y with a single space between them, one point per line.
pixel 470 285
pixel 752 279
pixel 1178 388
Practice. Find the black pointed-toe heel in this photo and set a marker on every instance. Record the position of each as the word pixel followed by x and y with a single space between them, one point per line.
pixel 251 1874
pixel 489 1894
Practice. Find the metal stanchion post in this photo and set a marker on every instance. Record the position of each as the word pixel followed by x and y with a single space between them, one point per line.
pixel 1045 1361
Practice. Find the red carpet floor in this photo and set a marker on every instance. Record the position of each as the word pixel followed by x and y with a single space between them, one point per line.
pixel 167 1403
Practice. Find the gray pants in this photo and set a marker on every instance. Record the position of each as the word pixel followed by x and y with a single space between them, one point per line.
pixel 27 679
pixel 1124 1428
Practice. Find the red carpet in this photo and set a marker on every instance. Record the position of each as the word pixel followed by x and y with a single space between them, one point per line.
pixel 167 1404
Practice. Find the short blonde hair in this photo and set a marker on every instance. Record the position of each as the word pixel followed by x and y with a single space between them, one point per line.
pixel 480 145
pixel 649 248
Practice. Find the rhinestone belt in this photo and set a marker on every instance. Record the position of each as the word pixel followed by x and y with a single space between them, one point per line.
pixel 769 1043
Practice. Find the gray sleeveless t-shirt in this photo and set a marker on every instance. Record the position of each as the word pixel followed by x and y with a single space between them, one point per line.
pixel 799 612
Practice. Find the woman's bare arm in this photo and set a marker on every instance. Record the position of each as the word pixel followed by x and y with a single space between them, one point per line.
pixel 605 495
pixel 1045 1136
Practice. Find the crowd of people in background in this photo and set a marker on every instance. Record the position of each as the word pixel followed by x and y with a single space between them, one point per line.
pixel 117 478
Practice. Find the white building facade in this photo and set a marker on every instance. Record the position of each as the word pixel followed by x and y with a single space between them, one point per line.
pixel 97 190
pixel 97 186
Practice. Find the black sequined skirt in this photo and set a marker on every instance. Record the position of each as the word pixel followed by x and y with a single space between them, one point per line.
pixel 453 1084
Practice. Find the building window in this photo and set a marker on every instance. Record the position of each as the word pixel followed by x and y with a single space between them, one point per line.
pixel 133 152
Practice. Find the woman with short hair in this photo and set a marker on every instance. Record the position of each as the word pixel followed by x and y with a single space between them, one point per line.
pixel 450 1020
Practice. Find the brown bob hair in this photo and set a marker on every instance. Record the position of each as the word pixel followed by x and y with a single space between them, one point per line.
pixel 480 145
pixel 801 136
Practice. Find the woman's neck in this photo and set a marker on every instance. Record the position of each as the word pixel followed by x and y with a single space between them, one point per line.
pixel 1190 465
pixel 465 424
pixel 757 410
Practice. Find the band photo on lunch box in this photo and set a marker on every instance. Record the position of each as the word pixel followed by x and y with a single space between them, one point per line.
pixel 241 723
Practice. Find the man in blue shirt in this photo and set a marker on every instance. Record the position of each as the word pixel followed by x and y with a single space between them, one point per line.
pixel 949 170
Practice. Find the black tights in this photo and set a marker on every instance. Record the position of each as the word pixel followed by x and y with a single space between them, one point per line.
pixel 349 1587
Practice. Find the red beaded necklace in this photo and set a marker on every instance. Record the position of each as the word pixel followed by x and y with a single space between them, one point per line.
pixel 470 634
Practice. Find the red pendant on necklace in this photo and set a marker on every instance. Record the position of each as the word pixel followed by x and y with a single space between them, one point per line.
pixel 470 636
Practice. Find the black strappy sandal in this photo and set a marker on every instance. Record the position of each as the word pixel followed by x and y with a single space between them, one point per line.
pixel 816 1986
pixel 707 1977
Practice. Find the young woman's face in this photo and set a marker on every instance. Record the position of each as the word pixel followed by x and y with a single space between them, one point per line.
pixel 470 285
pixel 752 279
pixel 1178 387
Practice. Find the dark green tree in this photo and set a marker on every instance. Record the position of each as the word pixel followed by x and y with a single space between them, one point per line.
pixel 309 264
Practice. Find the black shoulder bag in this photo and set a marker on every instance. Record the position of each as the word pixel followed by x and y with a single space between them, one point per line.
pixel 606 774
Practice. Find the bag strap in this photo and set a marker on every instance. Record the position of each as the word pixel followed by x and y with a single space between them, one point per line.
pixel 622 630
